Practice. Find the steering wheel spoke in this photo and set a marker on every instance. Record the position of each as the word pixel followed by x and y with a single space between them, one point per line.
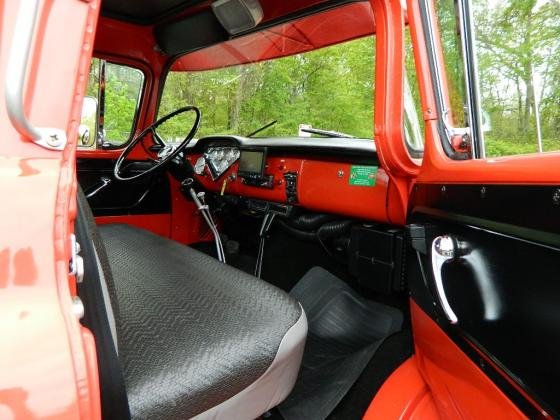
pixel 167 152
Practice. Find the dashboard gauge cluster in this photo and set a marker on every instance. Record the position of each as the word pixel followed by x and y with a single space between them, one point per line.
pixel 218 160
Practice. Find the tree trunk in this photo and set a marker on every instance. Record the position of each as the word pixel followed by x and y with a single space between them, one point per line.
pixel 235 110
pixel 519 106
pixel 529 100
pixel 528 69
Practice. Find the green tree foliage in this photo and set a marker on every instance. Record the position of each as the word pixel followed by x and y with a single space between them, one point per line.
pixel 451 45
pixel 519 60
pixel 330 88
pixel 413 119
pixel 123 86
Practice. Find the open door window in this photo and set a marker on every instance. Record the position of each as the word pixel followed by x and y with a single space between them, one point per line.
pixel 111 105
pixel 414 129
pixel 485 230
pixel 497 79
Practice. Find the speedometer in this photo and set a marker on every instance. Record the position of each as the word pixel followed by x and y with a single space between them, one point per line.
pixel 220 159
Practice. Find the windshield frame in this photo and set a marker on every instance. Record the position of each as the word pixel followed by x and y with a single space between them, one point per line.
pixel 358 33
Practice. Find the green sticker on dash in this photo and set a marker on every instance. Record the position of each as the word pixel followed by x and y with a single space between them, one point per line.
pixel 363 175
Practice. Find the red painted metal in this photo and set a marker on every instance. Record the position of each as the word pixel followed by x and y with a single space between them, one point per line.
pixel 306 34
pixel 156 223
pixel 132 45
pixel 438 168
pixel 276 166
pixel 184 224
pixel 187 224
pixel 460 389
pixel 404 395
pixel 47 359
pixel 320 187
pixel 389 110
pixel 58 378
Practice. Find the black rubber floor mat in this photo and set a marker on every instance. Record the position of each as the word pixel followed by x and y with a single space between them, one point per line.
pixel 345 330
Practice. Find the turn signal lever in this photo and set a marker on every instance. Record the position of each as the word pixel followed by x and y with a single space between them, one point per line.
pixel 200 202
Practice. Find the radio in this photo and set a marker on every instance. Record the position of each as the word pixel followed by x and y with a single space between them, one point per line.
pixel 252 163
pixel 256 180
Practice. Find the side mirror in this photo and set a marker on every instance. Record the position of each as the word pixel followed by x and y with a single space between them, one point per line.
pixel 88 122
pixel 486 122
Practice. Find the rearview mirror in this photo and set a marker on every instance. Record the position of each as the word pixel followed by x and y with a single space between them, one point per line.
pixel 486 122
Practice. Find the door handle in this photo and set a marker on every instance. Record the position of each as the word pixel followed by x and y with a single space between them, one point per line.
pixel 16 71
pixel 96 189
pixel 444 248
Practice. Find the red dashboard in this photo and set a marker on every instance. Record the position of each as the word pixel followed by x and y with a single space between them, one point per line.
pixel 320 185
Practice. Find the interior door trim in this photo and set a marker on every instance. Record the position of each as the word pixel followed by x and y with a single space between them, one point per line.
pixel 439 209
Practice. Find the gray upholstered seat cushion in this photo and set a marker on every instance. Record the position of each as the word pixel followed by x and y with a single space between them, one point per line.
pixel 195 333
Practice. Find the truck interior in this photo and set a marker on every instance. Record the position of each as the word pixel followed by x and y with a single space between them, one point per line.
pixel 295 209
pixel 277 217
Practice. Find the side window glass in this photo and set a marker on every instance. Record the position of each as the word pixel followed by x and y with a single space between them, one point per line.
pixel 88 124
pixel 413 119
pixel 110 106
pixel 516 46
pixel 453 61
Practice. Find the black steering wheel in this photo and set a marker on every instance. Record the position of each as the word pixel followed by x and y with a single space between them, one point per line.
pixel 168 151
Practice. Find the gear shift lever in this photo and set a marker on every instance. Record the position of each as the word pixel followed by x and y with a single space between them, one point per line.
pixel 204 209
pixel 265 226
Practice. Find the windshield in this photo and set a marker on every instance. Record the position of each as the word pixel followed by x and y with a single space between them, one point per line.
pixel 329 88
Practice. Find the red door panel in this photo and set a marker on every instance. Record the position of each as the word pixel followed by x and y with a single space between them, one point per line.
pixel 460 389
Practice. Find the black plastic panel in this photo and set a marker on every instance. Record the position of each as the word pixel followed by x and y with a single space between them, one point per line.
pixel 150 195
pixel 144 11
pixel 191 33
pixel 358 151
pixel 376 258
pixel 505 289
pixel 532 211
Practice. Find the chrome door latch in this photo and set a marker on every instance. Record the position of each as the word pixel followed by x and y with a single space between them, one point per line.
pixel 103 183
pixel 76 261
pixel 444 248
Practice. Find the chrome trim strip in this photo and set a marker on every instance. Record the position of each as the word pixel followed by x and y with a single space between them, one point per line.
pixel 437 77
pixel 472 84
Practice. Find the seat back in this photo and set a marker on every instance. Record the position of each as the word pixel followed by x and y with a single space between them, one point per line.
pixel 97 291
